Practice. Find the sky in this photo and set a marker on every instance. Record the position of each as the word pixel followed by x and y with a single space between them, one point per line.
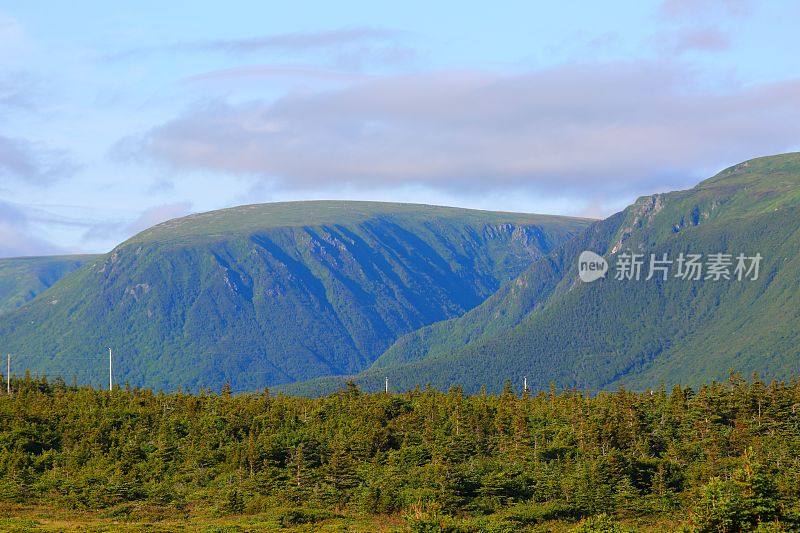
pixel 117 117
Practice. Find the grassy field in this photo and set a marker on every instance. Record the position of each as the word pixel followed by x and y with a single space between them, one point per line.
pixel 20 518
pixel 247 219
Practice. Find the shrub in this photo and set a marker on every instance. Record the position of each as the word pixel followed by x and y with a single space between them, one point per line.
pixel 299 516
pixel 601 523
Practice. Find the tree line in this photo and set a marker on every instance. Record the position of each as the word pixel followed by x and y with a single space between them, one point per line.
pixel 723 457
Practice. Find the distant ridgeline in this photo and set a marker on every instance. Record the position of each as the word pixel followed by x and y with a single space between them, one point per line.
pixel 23 278
pixel 553 328
pixel 304 296
pixel 265 294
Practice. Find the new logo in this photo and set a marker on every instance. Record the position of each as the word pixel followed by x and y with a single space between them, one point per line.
pixel 591 266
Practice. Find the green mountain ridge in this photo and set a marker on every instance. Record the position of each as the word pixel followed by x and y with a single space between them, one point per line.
pixel 23 278
pixel 265 294
pixel 554 329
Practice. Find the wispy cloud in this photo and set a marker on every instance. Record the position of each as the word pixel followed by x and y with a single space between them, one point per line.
pixel 10 28
pixel 345 47
pixel 147 218
pixel 698 25
pixel 16 92
pixel 24 160
pixel 273 72
pixel 607 127
pixel 694 9
pixel 297 41
pixel 31 162
pixel 157 214
pixel 708 39
pixel 17 237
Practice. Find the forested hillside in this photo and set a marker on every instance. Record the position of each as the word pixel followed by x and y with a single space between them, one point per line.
pixel 721 458
pixel 550 326
pixel 22 278
pixel 265 294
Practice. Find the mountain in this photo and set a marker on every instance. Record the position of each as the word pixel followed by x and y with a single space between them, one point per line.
pixel 265 294
pixel 22 278
pixel 555 329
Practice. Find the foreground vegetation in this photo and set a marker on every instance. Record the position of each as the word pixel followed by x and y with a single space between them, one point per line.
pixel 721 458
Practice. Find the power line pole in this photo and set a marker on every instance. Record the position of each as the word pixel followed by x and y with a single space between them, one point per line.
pixel 8 373
pixel 110 375
pixel 525 384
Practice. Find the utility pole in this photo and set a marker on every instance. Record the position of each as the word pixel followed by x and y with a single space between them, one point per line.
pixel 8 373
pixel 525 384
pixel 386 385
pixel 110 375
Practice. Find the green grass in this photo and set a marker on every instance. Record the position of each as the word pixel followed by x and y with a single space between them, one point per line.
pixel 247 219
pixel 22 519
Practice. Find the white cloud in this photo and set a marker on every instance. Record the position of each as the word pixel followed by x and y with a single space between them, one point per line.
pixel 350 47
pixel 591 129
pixel 29 162
pixel 298 40
pixel 23 160
pixel 706 39
pixel 119 231
pixel 17 237
pixel 155 215
pixel 694 9
pixel 10 29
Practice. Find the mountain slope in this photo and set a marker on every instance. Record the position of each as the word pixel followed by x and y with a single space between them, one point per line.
pixel 553 328
pixel 22 278
pixel 273 293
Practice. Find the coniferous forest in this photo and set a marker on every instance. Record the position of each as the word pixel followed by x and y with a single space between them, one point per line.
pixel 723 457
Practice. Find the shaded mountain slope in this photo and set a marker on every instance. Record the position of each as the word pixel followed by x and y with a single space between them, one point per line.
pixel 273 293
pixel 552 328
pixel 22 278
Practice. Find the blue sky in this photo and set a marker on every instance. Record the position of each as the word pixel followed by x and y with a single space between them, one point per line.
pixel 116 118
